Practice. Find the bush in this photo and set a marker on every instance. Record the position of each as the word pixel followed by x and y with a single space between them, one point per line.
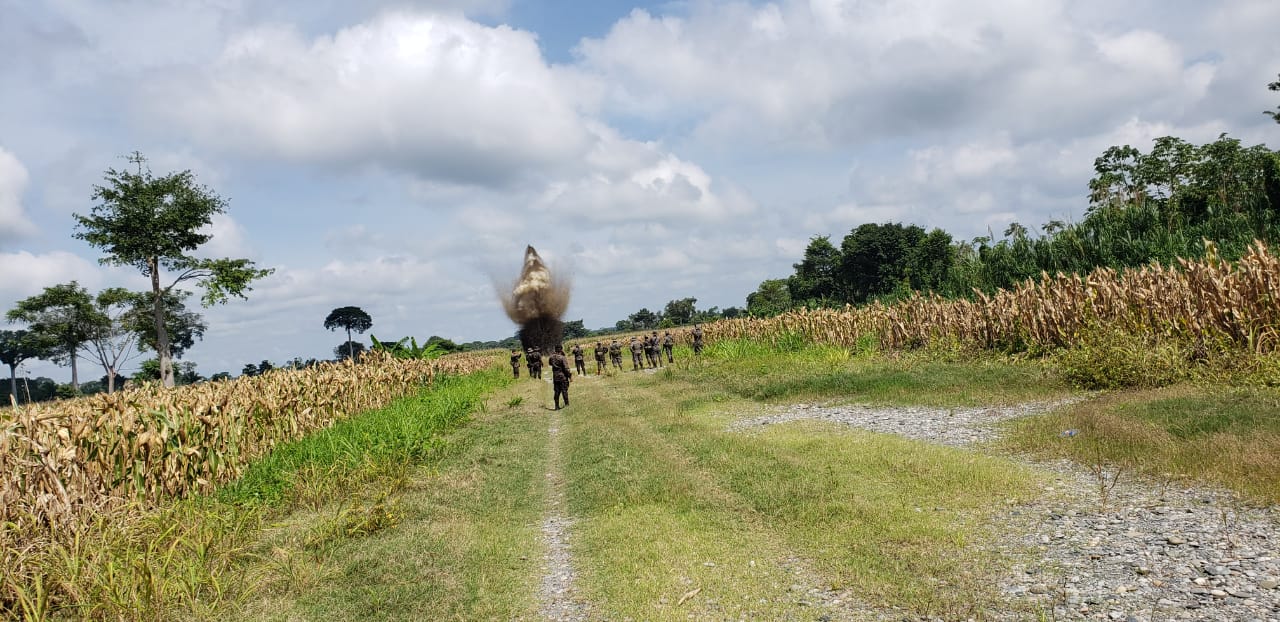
pixel 1108 358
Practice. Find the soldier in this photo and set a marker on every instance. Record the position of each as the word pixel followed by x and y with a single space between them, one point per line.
pixel 615 354
pixel 528 360
pixel 668 344
pixel 578 361
pixel 636 348
pixel 655 346
pixel 537 362
pixel 560 376
pixel 697 339
pixel 600 351
pixel 515 362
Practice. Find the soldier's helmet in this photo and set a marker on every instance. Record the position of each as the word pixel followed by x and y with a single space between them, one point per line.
pixel 559 348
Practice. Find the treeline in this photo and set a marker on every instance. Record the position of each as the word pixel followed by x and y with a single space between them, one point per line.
pixel 1149 206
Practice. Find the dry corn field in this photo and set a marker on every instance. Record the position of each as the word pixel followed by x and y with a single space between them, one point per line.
pixel 63 460
pixel 1236 304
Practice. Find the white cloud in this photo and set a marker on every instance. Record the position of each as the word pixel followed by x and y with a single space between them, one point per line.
pixel 229 240
pixel 38 271
pixel 434 95
pixel 838 73
pixel 14 224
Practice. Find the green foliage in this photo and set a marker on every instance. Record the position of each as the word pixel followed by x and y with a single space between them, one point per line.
pixel 680 312
pixel 1158 205
pixel 576 329
pixel 1106 358
pixel 411 350
pixel 1274 86
pixel 771 298
pixel 63 318
pixel 17 346
pixel 346 350
pixel 643 319
pixel 405 432
pixel 152 224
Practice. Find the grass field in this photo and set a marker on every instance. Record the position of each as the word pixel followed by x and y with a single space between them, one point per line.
pixel 431 508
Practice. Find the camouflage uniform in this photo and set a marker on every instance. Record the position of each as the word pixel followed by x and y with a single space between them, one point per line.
pixel 615 354
pixel 578 360
pixel 600 352
pixel 697 339
pixel 668 344
pixel 636 348
pixel 560 376
pixel 515 363
pixel 528 361
pixel 656 342
pixel 537 363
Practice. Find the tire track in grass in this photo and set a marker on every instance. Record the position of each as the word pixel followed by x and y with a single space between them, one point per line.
pixel 557 594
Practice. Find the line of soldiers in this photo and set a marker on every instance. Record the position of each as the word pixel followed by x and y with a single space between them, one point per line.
pixel 648 349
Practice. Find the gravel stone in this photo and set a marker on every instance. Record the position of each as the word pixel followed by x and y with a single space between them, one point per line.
pixel 1150 551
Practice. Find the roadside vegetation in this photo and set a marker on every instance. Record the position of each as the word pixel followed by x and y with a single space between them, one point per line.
pixel 200 556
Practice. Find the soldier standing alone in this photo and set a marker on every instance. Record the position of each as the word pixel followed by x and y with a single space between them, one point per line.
pixel 697 339
pixel 560 376
pixel 578 361
pixel 600 352
pixel 515 362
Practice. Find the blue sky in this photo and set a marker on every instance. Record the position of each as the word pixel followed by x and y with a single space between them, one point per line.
pixel 399 155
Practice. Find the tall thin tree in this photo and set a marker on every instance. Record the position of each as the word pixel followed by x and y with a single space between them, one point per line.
pixel 153 224
pixel 350 318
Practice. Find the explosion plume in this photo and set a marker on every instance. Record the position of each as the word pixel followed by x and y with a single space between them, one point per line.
pixel 536 303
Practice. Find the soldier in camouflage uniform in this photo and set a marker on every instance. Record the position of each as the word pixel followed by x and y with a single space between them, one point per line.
pixel 615 354
pixel 537 362
pixel 656 342
pixel 560 376
pixel 528 360
pixel 668 344
pixel 515 362
pixel 636 348
pixel 600 352
pixel 697 339
pixel 578 361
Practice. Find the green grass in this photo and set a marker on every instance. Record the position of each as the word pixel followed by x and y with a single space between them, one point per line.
pixel 756 372
pixel 669 501
pixel 1222 436
pixel 203 557
pixel 461 543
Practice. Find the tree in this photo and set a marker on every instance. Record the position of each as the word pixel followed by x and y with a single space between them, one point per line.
pixel 644 319
pixel 350 318
pixel 817 277
pixel 182 326
pixel 148 370
pixel 681 312
pixel 771 298
pixel 153 224
pixel 575 329
pixel 114 341
pixel 1274 86
pixel 65 318
pixel 349 350
pixel 220 376
pixel 17 346
pixel 873 259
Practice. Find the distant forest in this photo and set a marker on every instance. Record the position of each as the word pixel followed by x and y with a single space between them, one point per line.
pixel 1144 207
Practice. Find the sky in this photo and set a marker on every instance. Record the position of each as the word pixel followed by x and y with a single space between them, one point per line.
pixel 398 155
